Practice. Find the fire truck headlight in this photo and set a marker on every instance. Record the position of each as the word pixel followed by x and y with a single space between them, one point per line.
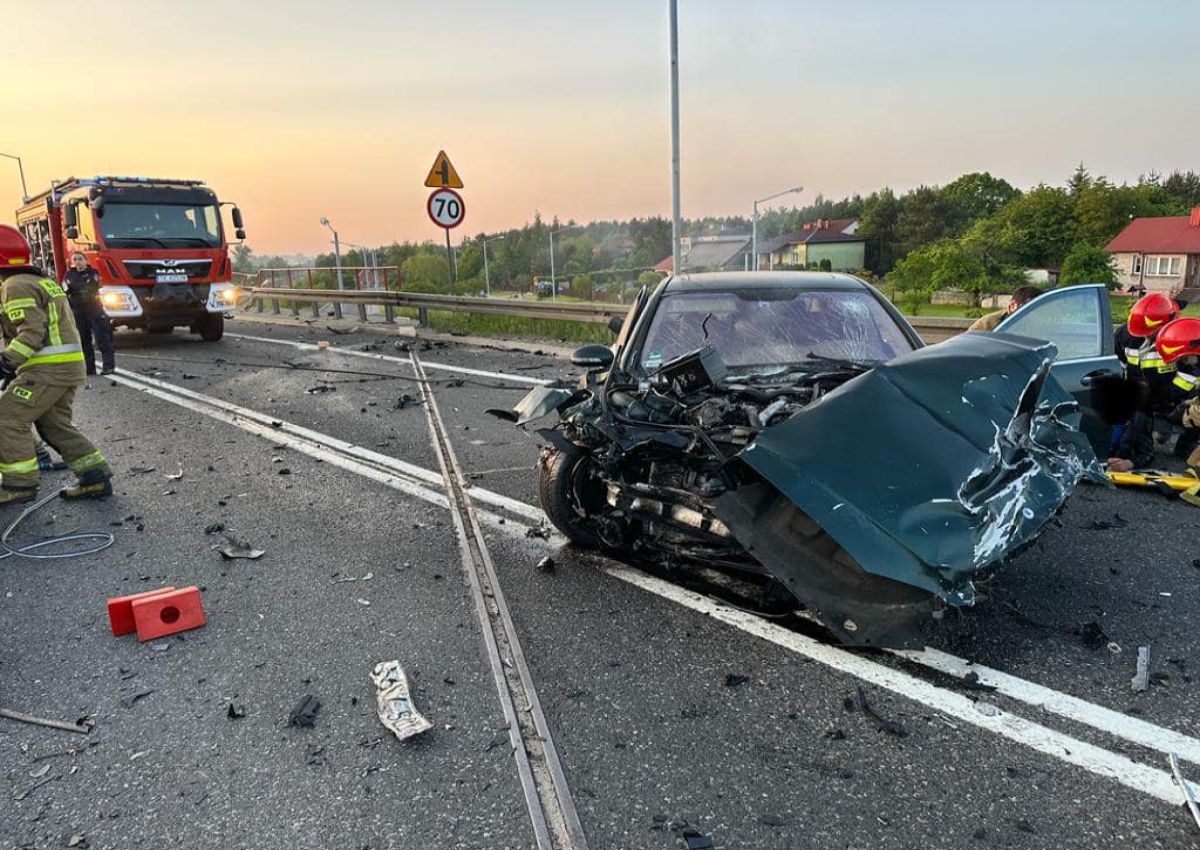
pixel 229 295
pixel 119 301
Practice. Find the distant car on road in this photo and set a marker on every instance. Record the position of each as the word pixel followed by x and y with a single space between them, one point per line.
pixel 793 425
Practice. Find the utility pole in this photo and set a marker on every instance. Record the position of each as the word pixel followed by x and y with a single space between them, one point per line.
pixel 487 279
pixel 553 286
pixel 754 225
pixel 676 223
pixel 21 169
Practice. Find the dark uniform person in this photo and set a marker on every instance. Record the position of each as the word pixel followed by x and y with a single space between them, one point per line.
pixel 83 292
pixel 41 367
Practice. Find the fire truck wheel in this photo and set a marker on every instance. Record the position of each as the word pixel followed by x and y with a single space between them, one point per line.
pixel 210 327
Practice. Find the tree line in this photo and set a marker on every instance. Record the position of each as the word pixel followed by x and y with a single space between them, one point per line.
pixel 977 233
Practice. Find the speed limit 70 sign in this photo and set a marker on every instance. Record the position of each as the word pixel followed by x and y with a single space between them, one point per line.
pixel 446 208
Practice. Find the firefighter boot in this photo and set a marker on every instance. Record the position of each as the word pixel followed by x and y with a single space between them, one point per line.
pixel 92 484
pixel 16 495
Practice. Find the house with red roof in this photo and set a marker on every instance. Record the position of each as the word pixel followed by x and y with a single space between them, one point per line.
pixel 1158 254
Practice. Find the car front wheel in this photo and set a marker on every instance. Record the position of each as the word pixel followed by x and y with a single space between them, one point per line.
pixel 572 495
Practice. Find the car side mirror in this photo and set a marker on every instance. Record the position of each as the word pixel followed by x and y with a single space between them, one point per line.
pixel 615 323
pixel 594 358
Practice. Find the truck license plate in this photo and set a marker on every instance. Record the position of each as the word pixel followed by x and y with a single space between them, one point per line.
pixel 170 277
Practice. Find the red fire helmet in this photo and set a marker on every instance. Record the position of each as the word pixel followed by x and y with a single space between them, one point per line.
pixel 1178 339
pixel 1150 313
pixel 14 250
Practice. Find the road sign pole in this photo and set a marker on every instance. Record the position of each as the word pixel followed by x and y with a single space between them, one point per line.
pixel 450 261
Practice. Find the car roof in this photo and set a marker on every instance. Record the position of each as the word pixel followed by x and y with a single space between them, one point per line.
pixel 727 281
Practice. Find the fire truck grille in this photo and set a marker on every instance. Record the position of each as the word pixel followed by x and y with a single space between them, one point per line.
pixel 173 270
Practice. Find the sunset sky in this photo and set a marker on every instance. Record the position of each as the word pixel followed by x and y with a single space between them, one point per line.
pixel 303 109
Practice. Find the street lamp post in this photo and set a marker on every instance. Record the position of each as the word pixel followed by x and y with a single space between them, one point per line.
pixel 553 285
pixel 487 279
pixel 337 261
pixel 676 221
pixel 21 169
pixel 754 226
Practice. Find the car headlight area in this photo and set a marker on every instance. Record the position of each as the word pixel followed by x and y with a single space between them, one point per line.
pixel 119 301
pixel 222 298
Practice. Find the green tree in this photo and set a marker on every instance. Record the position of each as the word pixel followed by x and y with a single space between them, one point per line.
pixel 881 211
pixel 426 272
pixel 926 217
pixel 1031 230
pixel 1087 263
pixel 1183 187
pixel 243 258
pixel 977 195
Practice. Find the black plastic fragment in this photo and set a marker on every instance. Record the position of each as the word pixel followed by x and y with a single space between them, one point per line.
pixel 696 841
pixel 305 713
pixel 891 727
pixel 1093 636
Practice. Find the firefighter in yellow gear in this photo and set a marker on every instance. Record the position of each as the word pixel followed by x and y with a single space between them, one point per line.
pixel 41 367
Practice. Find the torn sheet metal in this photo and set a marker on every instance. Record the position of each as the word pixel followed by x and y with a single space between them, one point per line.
pixel 933 465
pixel 394 704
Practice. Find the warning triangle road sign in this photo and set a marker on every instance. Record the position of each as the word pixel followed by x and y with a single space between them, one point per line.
pixel 443 175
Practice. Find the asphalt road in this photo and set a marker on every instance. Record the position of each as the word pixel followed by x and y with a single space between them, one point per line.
pixel 664 716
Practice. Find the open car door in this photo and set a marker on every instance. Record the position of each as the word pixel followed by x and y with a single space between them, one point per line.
pixel 1078 320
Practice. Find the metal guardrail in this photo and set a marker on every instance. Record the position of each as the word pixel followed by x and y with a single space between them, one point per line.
pixel 575 311
pixel 931 328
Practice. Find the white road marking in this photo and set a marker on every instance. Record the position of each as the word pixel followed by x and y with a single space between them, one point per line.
pixel 1073 708
pixel 413 480
pixel 1094 759
pixel 370 355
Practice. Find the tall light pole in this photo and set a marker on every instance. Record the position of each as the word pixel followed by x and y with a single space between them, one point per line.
pixel 20 168
pixel 337 252
pixel 754 226
pixel 487 280
pixel 553 287
pixel 676 222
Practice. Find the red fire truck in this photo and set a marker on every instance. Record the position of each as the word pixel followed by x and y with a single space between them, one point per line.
pixel 158 245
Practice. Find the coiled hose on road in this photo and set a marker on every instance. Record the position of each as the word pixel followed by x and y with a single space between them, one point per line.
pixel 33 550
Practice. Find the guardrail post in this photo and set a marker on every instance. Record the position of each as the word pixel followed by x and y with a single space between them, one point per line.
pixel 422 317
pixel 316 308
pixel 295 306
pixel 274 301
pixel 389 312
pixel 362 308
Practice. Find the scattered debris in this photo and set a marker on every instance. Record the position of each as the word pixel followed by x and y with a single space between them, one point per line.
pixel 176 476
pixel 541 532
pixel 1092 635
pixel 1025 826
pixel 21 717
pixel 130 700
pixel 394 705
pixel 236 712
pixel 986 708
pixel 21 795
pixel 1141 679
pixel 305 712
pixel 77 840
pixel 1189 794
pixel 405 400
pixel 971 683
pixel 735 680
pixel 40 772
pixel 773 820
pixel 214 528
pixel 1117 521
pixel 140 470
pixel 891 727
pixel 235 548
pixel 546 565
pixel 322 345
pixel 341 331
pixel 321 388
pixel 160 645
pixel 283 470
pixel 363 601
pixel 693 840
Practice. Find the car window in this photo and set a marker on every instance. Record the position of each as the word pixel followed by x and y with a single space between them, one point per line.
pixel 1068 318
pixel 767 327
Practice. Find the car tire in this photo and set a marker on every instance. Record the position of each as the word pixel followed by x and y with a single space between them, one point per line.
pixel 559 476
pixel 210 327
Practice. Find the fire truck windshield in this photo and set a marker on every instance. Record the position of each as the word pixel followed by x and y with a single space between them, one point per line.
pixel 124 225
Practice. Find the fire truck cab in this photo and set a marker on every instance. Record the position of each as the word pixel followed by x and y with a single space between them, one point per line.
pixel 158 245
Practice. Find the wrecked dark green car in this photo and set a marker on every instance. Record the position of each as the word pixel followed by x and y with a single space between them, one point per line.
pixel 793 425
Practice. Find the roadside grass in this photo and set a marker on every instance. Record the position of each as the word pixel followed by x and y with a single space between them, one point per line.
pixel 475 324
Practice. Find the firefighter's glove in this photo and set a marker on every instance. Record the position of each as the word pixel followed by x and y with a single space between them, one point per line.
pixel 7 370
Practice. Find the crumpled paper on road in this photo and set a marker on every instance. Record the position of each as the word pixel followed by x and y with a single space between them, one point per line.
pixel 395 706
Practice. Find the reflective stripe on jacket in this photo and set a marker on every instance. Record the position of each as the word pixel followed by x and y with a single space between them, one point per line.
pixel 40 330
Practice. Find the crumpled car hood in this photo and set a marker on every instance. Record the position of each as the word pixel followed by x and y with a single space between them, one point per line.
pixel 933 465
